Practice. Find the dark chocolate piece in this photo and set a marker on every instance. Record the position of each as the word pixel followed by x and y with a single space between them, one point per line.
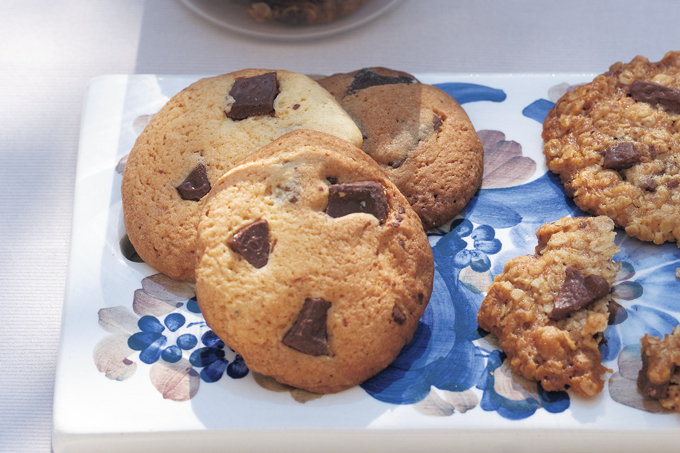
pixel 436 122
pixel 252 243
pixel 254 96
pixel 577 292
pixel 648 184
pixel 308 333
pixel 366 78
pixel 398 315
pixel 621 156
pixel 673 183
pixel 647 387
pixel 397 163
pixel 196 185
pixel 654 93
pixel 363 196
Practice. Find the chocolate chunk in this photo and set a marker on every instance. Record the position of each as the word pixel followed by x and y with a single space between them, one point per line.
pixel 396 163
pixel 364 196
pixel 647 387
pixel 308 333
pixel 253 96
pixel 577 292
pixel 436 122
pixel 252 243
pixel 648 184
pixel 196 185
pixel 366 78
pixel 654 93
pixel 621 156
pixel 617 313
pixel 398 315
pixel 673 183
pixel 653 153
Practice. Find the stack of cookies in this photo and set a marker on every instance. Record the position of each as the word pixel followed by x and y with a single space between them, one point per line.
pixel 302 222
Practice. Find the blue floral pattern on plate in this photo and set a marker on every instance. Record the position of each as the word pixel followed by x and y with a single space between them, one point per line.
pixel 450 360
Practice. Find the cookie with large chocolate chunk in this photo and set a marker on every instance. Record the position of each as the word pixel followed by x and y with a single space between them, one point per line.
pixel 419 135
pixel 197 136
pixel 659 377
pixel 348 269
pixel 549 310
pixel 615 142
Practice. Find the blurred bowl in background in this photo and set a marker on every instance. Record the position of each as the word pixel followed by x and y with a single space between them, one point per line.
pixel 289 20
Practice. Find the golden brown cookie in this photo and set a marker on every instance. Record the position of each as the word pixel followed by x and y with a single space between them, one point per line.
pixel 549 309
pixel 615 142
pixel 311 264
pixel 302 12
pixel 196 137
pixel 419 135
pixel 659 377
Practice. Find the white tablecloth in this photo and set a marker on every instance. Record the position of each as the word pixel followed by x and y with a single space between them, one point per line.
pixel 49 50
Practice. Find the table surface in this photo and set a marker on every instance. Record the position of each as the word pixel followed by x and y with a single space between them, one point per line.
pixel 50 50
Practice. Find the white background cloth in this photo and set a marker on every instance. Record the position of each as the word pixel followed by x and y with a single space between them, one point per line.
pixel 50 49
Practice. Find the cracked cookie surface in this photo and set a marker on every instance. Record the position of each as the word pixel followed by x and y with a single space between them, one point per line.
pixel 326 294
pixel 525 305
pixel 615 142
pixel 418 134
pixel 659 377
pixel 199 134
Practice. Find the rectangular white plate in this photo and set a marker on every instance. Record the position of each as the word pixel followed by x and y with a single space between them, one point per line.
pixel 453 397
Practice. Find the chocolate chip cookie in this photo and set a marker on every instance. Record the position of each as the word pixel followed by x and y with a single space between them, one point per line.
pixel 659 377
pixel 311 264
pixel 549 309
pixel 419 135
pixel 615 142
pixel 197 136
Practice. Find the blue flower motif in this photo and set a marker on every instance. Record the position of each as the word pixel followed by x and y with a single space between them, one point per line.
pixel 212 359
pixel 444 351
pixel 647 276
pixel 151 342
pixel 484 243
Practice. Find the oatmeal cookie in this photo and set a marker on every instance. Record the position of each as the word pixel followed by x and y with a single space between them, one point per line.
pixel 419 135
pixel 202 132
pixel 302 12
pixel 659 377
pixel 615 142
pixel 549 309
pixel 311 264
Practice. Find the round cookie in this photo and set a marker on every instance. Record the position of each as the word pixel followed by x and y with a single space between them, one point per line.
pixel 419 135
pixel 202 132
pixel 311 264
pixel 615 142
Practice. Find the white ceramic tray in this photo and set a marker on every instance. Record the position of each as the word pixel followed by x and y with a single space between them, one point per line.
pixel 139 370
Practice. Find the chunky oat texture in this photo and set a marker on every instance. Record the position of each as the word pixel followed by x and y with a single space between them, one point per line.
pixel 660 374
pixel 519 303
pixel 600 123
